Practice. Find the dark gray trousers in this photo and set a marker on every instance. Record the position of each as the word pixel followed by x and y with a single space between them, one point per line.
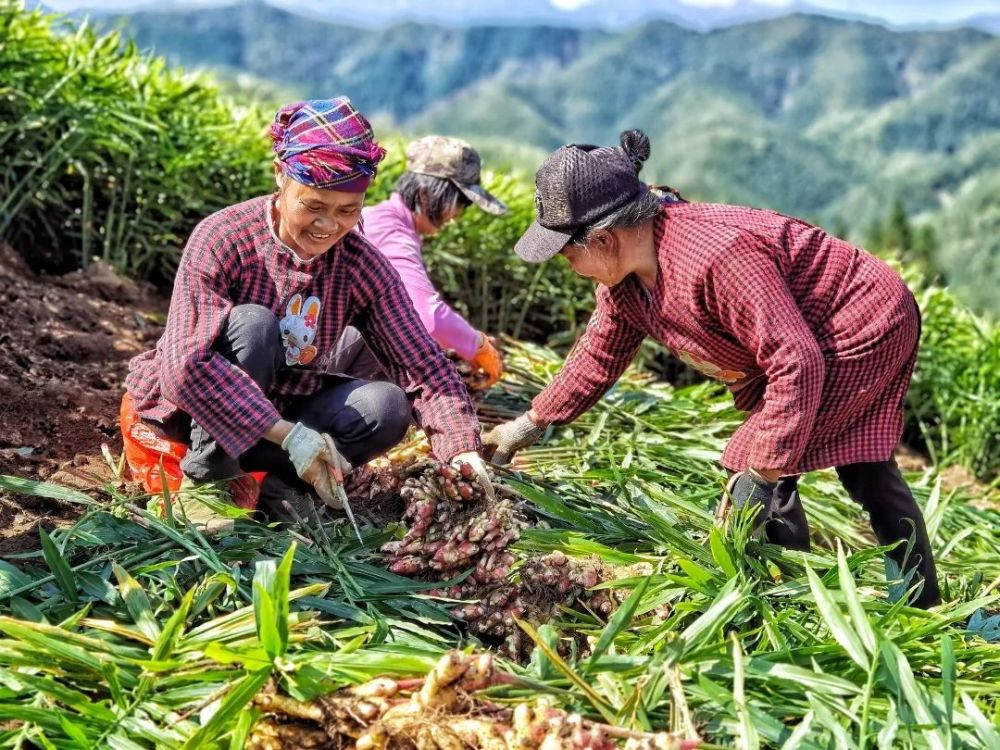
pixel 880 489
pixel 353 359
pixel 365 418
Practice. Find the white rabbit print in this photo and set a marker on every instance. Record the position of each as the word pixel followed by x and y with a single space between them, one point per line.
pixel 298 329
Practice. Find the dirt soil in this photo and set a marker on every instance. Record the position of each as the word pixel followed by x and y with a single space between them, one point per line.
pixel 65 344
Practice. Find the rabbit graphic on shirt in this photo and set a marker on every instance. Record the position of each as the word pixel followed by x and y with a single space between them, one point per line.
pixel 298 329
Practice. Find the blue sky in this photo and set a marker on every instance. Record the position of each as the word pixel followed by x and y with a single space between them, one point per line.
pixel 894 11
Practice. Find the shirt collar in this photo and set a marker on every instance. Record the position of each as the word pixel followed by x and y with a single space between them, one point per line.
pixel 403 211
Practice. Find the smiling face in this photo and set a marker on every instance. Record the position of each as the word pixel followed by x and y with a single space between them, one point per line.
pixel 310 220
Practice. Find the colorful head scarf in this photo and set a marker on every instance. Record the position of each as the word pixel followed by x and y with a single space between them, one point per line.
pixel 326 143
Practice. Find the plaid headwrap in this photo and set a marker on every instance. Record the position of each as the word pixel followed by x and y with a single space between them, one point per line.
pixel 326 143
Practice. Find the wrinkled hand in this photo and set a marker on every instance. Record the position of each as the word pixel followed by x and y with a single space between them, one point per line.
pixel 317 460
pixel 487 359
pixel 744 487
pixel 503 441
pixel 474 460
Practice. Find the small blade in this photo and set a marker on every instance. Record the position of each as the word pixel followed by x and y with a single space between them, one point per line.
pixel 338 488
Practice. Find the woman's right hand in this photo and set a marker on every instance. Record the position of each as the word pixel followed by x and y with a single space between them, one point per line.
pixel 503 441
pixel 316 460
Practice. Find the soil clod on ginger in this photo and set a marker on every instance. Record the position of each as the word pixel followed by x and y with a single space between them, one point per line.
pixel 374 489
pixel 437 712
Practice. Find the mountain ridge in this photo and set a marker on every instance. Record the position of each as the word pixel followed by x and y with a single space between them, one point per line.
pixel 613 15
pixel 827 119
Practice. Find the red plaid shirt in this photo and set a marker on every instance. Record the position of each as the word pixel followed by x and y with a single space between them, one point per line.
pixel 234 258
pixel 815 337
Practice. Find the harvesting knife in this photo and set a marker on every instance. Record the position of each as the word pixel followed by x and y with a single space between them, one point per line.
pixel 338 490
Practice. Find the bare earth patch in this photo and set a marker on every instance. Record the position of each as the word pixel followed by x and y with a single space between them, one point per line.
pixel 64 351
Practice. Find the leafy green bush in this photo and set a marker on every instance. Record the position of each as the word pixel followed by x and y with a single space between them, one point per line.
pixel 107 152
pixel 970 247
pixel 953 405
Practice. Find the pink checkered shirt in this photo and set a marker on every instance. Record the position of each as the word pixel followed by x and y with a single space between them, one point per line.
pixel 815 338
pixel 233 258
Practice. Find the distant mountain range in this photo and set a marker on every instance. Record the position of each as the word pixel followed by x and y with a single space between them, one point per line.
pixel 602 14
pixel 824 118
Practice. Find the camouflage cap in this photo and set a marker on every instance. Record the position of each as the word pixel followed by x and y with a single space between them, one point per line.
pixel 455 160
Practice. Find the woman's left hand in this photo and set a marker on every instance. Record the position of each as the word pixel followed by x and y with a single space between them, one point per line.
pixel 487 358
pixel 768 475
pixel 474 460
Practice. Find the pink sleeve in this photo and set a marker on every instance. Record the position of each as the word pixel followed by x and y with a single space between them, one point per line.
pixel 598 359
pixel 753 302
pixel 449 329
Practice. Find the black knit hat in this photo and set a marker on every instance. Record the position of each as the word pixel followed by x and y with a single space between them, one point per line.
pixel 578 185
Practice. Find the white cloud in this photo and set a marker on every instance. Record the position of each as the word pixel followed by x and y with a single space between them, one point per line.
pixel 569 4
pixel 710 3
pixel 731 3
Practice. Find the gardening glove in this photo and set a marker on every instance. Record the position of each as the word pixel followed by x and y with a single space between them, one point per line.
pixel 317 460
pixel 474 460
pixel 503 441
pixel 487 359
pixel 745 487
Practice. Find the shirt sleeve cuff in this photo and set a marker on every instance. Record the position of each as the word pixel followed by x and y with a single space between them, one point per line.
pixel 469 345
pixel 547 412
pixel 446 447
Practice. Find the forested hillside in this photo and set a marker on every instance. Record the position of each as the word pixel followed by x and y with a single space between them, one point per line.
pixel 828 119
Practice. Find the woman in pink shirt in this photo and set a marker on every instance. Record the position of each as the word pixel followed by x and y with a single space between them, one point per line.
pixel 441 179
pixel 816 338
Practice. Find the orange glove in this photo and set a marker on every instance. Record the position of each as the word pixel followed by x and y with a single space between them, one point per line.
pixel 487 358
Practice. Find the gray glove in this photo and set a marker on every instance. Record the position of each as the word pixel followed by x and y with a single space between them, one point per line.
pixel 746 488
pixel 503 441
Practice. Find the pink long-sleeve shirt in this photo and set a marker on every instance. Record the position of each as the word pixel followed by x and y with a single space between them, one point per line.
pixel 390 227
pixel 815 338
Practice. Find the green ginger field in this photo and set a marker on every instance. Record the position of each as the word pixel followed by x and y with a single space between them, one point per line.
pixel 613 607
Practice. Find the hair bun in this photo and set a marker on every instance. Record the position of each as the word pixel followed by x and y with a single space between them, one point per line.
pixel 635 144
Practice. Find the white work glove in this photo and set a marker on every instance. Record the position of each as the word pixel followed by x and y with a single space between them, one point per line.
pixel 503 441
pixel 474 460
pixel 317 460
